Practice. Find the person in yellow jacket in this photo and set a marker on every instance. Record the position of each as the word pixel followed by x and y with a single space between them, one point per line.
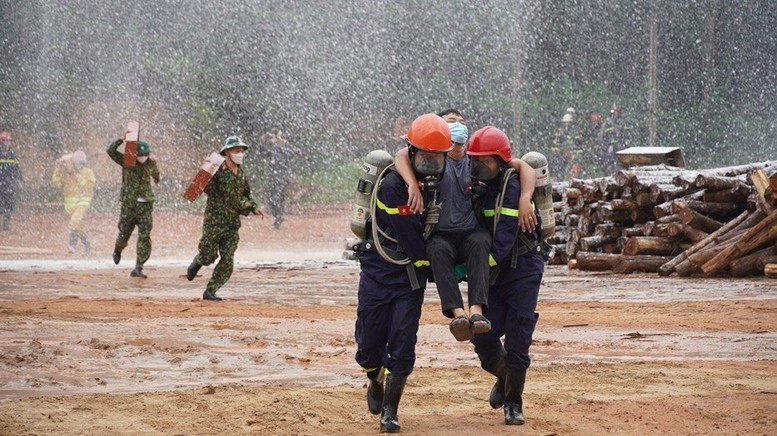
pixel 77 183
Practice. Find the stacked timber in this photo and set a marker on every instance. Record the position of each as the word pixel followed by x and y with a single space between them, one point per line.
pixel 654 218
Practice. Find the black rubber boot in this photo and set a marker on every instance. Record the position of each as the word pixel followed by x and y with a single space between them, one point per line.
pixel 392 393
pixel 116 256
pixel 191 272
pixel 6 222
pixel 87 246
pixel 71 246
pixel 208 295
pixel 514 384
pixel 375 391
pixel 138 272
pixel 497 397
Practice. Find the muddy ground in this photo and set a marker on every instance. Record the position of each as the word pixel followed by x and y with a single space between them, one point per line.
pixel 85 349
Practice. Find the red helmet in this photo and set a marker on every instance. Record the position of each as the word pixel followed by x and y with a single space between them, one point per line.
pixel 490 140
pixel 431 133
pixel 5 135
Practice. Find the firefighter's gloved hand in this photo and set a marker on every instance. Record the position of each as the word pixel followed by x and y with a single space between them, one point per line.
pixel 117 143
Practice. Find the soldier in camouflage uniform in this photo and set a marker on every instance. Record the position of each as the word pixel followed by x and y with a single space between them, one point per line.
pixel 229 196
pixel 137 203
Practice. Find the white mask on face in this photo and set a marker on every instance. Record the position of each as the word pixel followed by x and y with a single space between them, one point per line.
pixel 237 158
pixel 142 159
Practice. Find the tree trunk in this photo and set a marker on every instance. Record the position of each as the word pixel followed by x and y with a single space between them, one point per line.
pixel 629 264
pixel 649 245
pixel 596 261
pixel 749 265
pixel 765 232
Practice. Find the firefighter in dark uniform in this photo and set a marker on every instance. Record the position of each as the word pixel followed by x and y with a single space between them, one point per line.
pixel 10 177
pixel 229 196
pixel 517 265
pixel 391 292
pixel 137 203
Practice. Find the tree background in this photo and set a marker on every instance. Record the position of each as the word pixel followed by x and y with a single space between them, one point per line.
pixel 341 78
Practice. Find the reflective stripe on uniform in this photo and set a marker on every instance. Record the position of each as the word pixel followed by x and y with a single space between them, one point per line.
pixel 420 263
pixel 9 161
pixel 388 210
pixel 504 211
pixel 77 201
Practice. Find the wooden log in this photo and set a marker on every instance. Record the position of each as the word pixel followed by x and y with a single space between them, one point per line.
pixel 694 235
pixel 708 208
pixel 640 216
pixel 770 270
pixel 697 220
pixel 683 268
pixel 667 269
pixel 650 245
pixel 611 248
pixel 623 204
pixel 668 219
pixel 571 220
pixel 763 233
pixel 675 230
pixel 643 200
pixel 596 261
pixel 725 196
pixel 590 243
pixel 748 265
pixel 715 182
pixel 761 183
pixel 657 191
pixel 703 256
pixel 633 231
pixel 629 264
pixel 765 260
pixel 608 229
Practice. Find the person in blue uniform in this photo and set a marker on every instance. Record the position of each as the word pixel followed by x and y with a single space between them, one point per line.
pixel 392 283
pixel 517 265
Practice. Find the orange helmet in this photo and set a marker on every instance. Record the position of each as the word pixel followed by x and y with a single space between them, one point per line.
pixel 5 135
pixel 431 133
pixel 490 140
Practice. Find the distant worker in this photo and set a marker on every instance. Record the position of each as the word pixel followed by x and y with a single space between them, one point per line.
pixel 10 178
pixel 567 146
pixel 516 258
pixel 616 136
pixel 77 183
pixel 278 175
pixel 391 288
pixel 137 203
pixel 229 196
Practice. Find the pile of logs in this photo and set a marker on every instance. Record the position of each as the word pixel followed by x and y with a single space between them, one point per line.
pixel 667 219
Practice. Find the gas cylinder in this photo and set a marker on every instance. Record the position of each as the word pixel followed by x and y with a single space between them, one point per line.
pixel 374 164
pixel 543 192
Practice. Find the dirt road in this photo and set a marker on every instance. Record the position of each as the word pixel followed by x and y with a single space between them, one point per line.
pixel 86 349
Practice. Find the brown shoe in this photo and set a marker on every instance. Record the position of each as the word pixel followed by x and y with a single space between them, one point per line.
pixel 460 328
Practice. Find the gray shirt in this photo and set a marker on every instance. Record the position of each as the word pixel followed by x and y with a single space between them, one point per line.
pixel 457 213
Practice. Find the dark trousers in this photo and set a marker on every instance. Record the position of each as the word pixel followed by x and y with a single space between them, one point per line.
pixel 511 310
pixel 387 326
pixel 445 250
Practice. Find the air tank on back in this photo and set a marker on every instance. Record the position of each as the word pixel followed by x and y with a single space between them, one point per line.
pixel 374 163
pixel 543 192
